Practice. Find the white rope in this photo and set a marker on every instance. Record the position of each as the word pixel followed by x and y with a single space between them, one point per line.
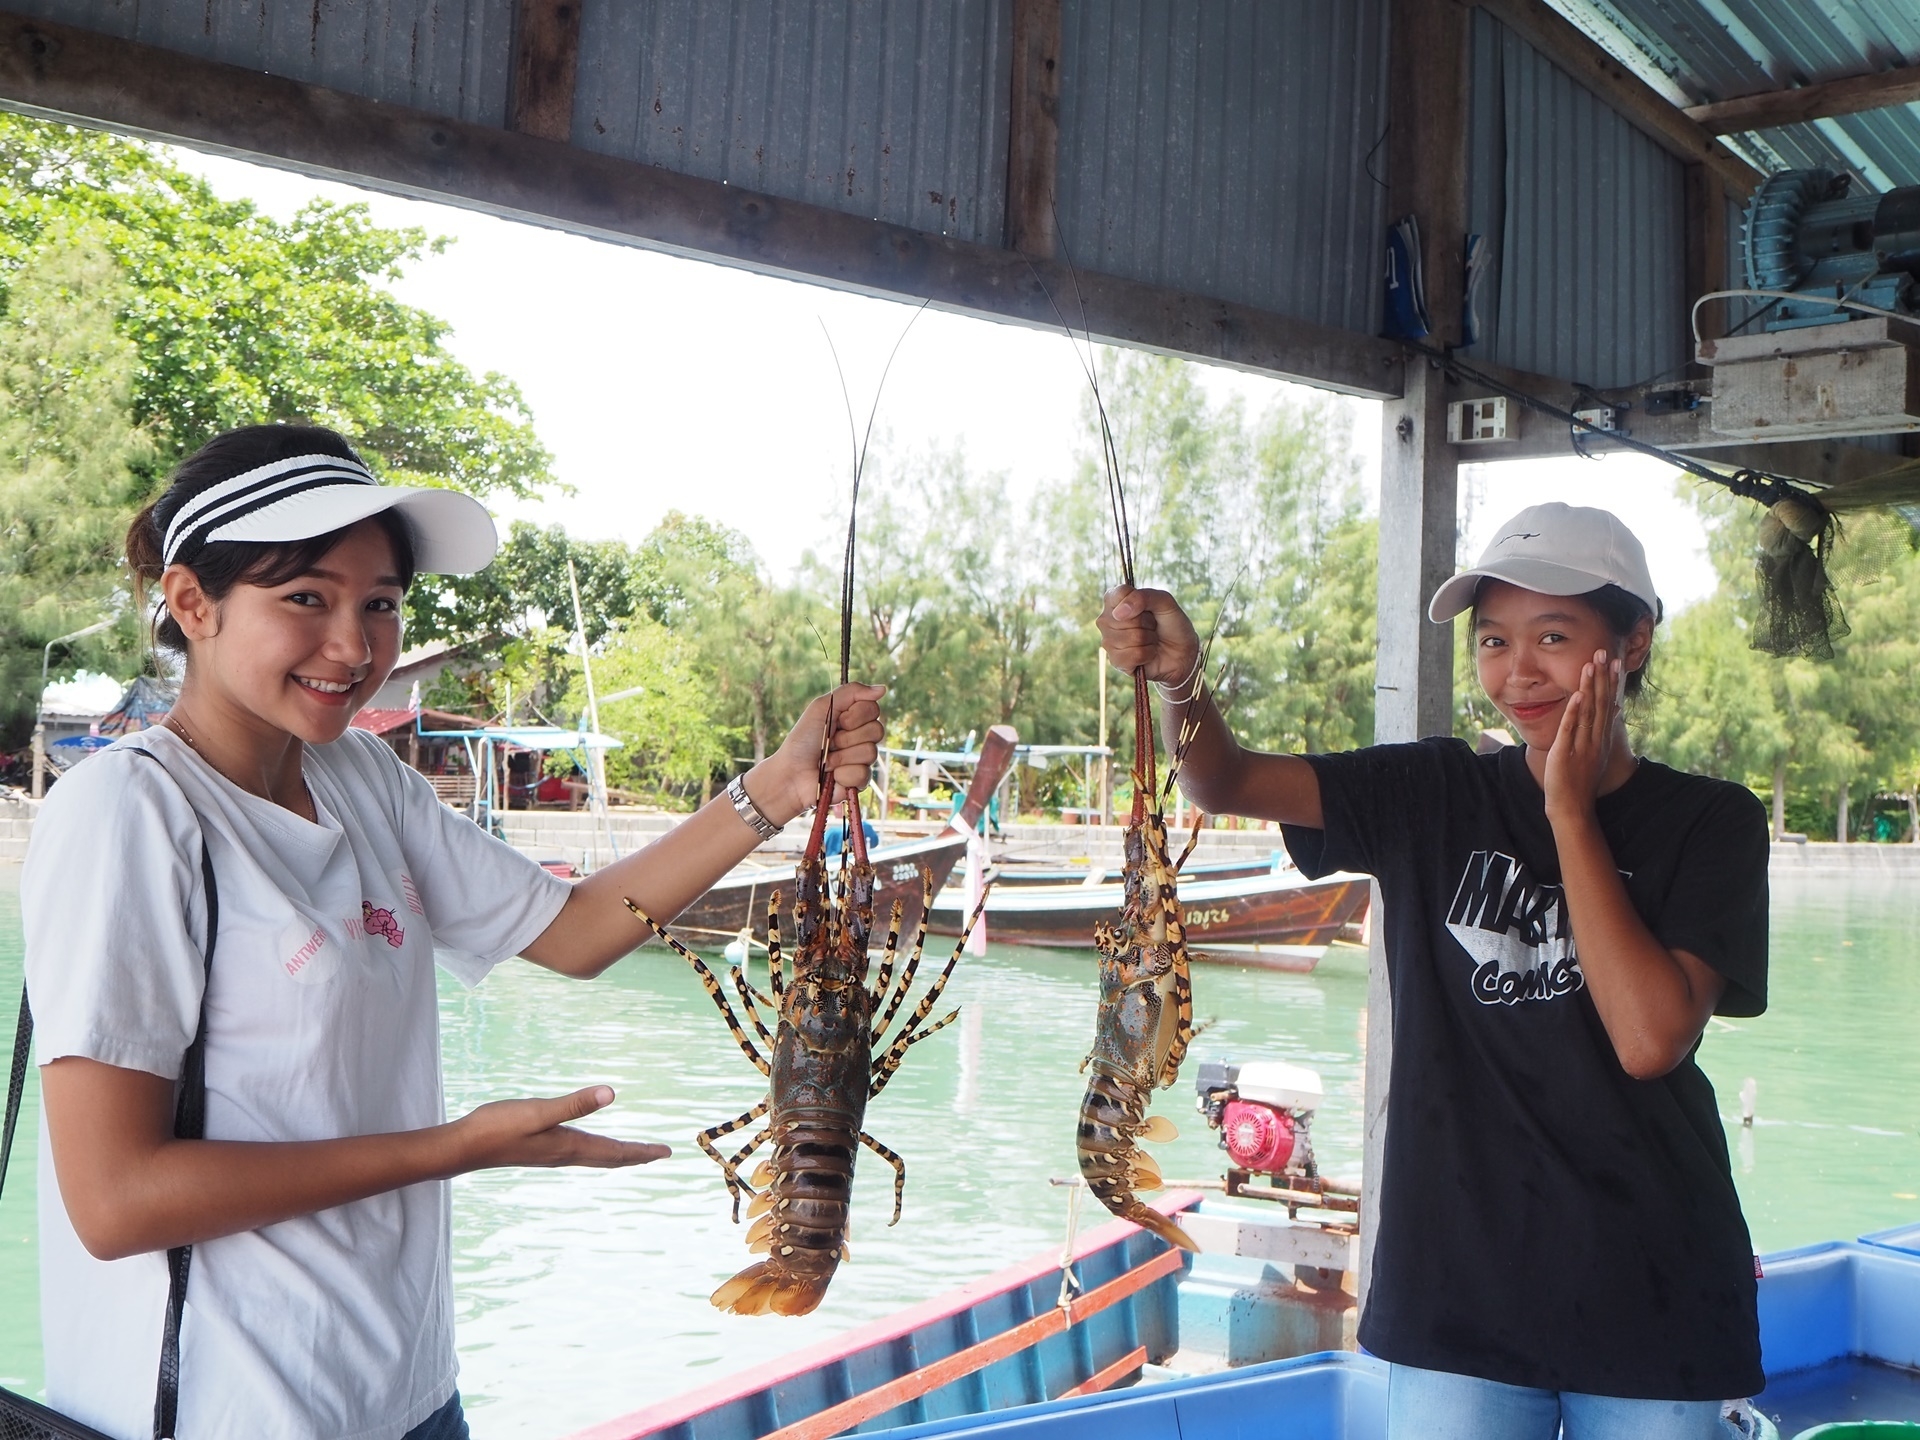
pixel 1069 1284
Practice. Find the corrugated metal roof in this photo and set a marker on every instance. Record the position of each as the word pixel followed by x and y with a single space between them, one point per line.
pixel 1699 51
pixel 1223 149
pixel 1586 216
pixel 891 111
pixel 447 57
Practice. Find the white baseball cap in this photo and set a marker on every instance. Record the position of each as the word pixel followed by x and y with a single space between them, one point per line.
pixel 1555 549
pixel 308 495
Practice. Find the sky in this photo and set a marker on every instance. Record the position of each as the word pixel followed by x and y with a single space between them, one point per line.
pixel 663 383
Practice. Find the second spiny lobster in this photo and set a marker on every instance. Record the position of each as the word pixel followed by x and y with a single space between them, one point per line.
pixel 1145 1021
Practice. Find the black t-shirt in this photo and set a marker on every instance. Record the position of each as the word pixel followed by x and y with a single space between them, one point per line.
pixel 1547 1220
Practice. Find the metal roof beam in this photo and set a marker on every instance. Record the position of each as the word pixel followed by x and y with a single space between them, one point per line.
pixel 1823 101
pixel 82 77
pixel 1563 42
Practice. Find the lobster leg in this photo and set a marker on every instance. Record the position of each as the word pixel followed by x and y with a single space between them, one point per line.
pixel 705 1141
pixel 879 991
pixel 776 964
pixel 1183 1035
pixel 752 1145
pixel 1192 840
pixel 899 1171
pixel 713 988
pixel 746 999
pixel 883 1071
pixel 928 1000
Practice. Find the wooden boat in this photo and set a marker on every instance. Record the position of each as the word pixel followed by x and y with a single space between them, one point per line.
pixel 1288 916
pixel 1004 1340
pixel 1003 1359
pixel 1021 872
pixel 739 902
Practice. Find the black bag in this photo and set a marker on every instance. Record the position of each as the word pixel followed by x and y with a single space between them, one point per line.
pixel 21 1418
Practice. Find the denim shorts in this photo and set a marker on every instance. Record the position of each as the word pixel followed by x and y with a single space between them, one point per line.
pixel 449 1422
pixel 1434 1405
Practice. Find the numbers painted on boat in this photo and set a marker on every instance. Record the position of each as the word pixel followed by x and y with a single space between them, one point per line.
pixel 1199 919
pixel 905 870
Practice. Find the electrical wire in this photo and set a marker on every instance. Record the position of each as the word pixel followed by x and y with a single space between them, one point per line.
pixel 1760 485
pixel 1838 303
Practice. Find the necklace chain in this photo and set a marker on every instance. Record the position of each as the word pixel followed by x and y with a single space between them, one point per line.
pixel 174 725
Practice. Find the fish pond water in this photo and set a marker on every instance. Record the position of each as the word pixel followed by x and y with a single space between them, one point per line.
pixel 581 1295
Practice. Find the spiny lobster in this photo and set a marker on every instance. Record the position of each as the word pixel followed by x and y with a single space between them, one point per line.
pixel 831 1054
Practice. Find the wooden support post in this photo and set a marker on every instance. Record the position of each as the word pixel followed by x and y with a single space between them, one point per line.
pixel 546 56
pixel 1413 689
pixel 1706 231
pixel 1033 131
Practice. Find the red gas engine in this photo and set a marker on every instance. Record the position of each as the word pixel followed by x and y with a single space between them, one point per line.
pixel 1264 1112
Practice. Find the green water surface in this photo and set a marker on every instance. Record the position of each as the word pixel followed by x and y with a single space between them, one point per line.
pixel 583 1295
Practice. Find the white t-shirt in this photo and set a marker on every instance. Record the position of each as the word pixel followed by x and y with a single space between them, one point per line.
pixel 321 1023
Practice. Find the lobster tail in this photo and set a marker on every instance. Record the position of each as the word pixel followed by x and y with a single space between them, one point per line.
pixel 1148 1218
pixel 1112 1118
pixel 769 1288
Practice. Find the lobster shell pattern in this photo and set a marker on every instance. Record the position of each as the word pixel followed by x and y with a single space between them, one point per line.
pixel 1145 1021
pixel 822 1072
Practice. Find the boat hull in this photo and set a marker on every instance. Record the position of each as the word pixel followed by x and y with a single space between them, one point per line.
pixel 739 902
pixel 1271 909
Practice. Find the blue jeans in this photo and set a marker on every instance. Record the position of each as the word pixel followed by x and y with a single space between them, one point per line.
pixel 1434 1405
pixel 449 1422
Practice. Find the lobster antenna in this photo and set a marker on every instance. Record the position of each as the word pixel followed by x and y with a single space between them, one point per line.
pixel 1190 724
pixel 1089 366
pixel 859 444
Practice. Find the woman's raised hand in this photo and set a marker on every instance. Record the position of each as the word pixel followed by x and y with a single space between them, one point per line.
pixel 1147 629
pixel 536 1132
pixel 848 725
pixel 1583 747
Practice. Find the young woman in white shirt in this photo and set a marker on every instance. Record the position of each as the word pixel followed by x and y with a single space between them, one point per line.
pixel 319 1298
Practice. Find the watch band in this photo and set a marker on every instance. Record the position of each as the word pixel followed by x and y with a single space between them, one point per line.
pixel 744 807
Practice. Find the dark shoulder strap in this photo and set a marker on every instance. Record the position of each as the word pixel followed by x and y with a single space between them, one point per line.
pixel 189 1123
pixel 16 1083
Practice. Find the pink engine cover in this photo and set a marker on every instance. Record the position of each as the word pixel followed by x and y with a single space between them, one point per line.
pixel 1258 1136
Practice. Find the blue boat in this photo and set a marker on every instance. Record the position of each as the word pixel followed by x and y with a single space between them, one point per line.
pixel 1013 1356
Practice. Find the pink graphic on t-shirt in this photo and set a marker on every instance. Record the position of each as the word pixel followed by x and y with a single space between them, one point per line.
pixel 381 922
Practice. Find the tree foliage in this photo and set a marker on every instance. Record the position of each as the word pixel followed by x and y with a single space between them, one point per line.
pixel 238 318
pixel 143 315
pixel 68 453
pixel 1810 729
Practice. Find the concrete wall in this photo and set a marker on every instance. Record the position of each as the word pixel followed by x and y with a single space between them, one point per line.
pixel 544 833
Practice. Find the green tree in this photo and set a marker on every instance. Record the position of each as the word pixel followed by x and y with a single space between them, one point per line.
pixel 1714 708
pixel 673 741
pixel 528 586
pixel 238 318
pixel 1818 735
pixel 68 453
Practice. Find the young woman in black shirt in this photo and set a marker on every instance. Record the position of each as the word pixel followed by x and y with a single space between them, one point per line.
pixel 1560 1241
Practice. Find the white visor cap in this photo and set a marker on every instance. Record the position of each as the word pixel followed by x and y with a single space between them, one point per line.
pixel 1555 549
pixel 309 495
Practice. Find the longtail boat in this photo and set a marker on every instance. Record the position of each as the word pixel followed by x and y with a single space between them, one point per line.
pixel 1276 907
pixel 739 902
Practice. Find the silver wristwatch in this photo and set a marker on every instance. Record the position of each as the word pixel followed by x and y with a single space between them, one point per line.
pixel 744 807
